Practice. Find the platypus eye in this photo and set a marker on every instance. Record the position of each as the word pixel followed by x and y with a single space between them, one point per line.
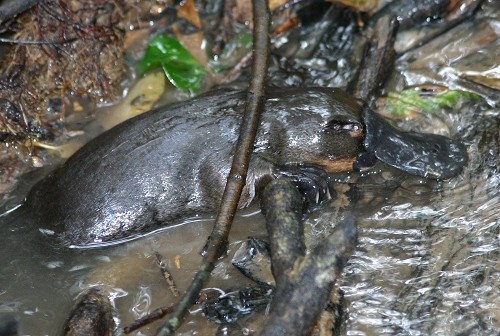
pixel 348 126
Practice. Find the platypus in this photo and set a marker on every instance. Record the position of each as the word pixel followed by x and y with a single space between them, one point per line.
pixel 169 164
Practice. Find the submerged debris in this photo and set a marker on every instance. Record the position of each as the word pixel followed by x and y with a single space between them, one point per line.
pixel 9 326
pixel 253 260
pixel 230 307
pixel 167 275
pixel 91 316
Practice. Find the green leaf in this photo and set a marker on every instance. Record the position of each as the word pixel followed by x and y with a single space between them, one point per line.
pixel 181 68
pixel 412 100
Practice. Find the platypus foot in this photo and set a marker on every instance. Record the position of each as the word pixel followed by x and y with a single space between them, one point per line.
pixel 312 181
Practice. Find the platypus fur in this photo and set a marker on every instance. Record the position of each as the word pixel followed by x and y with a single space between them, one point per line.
pixel 170 164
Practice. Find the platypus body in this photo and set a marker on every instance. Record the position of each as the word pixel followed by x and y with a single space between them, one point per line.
pixel 170 164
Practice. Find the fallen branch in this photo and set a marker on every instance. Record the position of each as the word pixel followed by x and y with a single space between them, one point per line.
pixel 377 62
pixel 92 315
pixel 155 315
pixel 303 282
pixel 217 242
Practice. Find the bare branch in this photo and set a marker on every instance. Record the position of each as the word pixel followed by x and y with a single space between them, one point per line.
pixel 303 282
pixel 218 239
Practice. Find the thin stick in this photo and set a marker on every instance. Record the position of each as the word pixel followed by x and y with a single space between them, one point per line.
pixel 217 242
pixel 167 275
pixel 161 312
pixel 155 315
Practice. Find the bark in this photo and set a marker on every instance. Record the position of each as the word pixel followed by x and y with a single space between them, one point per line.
pixel 377 62
pixel 303 282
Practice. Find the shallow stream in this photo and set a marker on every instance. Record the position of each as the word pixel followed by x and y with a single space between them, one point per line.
pixel 428 258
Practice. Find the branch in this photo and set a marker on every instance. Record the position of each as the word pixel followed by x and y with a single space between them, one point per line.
pixel 303 282
pixel 377 62
pixel 92 315
pixel 217 242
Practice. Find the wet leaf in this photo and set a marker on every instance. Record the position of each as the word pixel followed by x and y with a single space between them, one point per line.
pixel 489 78
pixel 273 4
pixel 187 10
pixel 414 100
pixel 234 50
pixel 181 68
pixel 141 98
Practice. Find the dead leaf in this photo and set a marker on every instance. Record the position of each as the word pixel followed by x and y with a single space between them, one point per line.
pixel 187 11
pixel 194 43
pixel 360 5
pixel 273 4
pixel 141 98
pixel 134 37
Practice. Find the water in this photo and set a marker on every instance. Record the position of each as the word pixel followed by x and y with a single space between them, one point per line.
pixel 39 287
pixel 428 255
pixel 428 259
pixel 428 262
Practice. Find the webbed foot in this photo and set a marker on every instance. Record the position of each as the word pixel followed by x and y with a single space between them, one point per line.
pixel 312 181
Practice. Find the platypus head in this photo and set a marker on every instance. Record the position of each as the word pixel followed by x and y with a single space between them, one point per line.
pixel 317 126
pixel 327 127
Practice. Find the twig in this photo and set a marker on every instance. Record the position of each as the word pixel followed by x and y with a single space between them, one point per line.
pixel 217 242
pixel 167 275
pixel 155 315
pixel 161 312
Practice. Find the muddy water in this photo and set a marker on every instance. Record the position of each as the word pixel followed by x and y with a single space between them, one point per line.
pixel 428 256
pixel 39 283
